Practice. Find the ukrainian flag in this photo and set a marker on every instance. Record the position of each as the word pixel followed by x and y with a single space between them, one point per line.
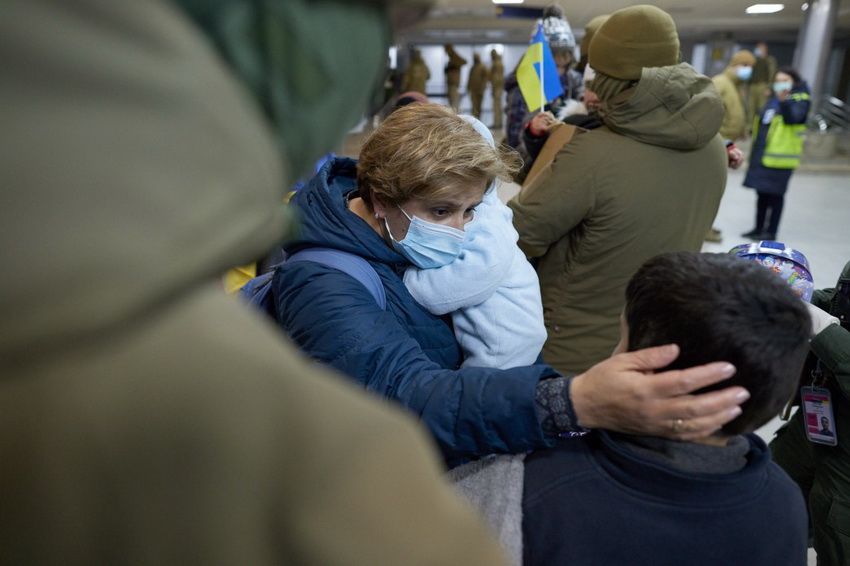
pixel 537 74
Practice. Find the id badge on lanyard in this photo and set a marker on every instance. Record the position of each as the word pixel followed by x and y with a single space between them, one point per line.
pixel 819 421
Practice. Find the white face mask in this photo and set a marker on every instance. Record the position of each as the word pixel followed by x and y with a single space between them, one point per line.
pixel 428 245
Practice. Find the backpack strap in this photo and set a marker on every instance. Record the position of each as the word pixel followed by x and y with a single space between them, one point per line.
pixel 258 292
pixel 349 263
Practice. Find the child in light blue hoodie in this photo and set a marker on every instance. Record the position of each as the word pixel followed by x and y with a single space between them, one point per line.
pixel 491 289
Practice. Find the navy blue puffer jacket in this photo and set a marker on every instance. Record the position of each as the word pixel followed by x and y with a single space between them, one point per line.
pixel 404 353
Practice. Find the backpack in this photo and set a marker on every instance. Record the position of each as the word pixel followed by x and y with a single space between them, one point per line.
pixel 258 291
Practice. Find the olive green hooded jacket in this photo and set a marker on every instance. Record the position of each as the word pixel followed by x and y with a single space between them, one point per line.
pixel 734 114
pixel 145 417
pixel 648 181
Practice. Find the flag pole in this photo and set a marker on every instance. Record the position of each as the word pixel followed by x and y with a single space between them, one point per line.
pixel 542 81
pixel 542 72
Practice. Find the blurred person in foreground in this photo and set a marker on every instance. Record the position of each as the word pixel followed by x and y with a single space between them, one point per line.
pixel 146 417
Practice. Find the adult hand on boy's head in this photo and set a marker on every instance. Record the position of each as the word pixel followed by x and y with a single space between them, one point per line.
pixel 623 394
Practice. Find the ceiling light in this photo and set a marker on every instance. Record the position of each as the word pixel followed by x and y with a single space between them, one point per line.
pixel 508 1
pixel 765 8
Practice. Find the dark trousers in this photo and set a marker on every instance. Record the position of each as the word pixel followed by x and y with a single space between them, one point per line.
pixel 768 212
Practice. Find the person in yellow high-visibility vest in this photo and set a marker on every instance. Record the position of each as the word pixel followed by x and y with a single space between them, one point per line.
pixel 777 144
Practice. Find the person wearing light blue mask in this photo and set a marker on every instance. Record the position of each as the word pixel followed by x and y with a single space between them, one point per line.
pixel 407 202
pixel 776 148
pixel 428 245
pixel 729 84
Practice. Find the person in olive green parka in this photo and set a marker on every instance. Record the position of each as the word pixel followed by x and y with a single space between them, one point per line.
pixel 729 85
pixel 648 181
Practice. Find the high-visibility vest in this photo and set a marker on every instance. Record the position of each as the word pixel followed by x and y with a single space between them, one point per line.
pixel 784 142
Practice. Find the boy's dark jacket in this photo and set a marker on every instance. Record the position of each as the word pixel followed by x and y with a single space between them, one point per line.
pixel 403 353
pixel 629 509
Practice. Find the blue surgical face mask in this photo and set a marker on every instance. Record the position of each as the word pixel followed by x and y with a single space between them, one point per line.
pixel 428 245
pixel 784 85
pixel 744 73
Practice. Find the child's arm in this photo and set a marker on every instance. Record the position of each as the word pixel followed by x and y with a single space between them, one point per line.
pixel 479 270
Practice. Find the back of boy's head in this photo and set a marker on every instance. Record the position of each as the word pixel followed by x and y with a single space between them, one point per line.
pixel 719 307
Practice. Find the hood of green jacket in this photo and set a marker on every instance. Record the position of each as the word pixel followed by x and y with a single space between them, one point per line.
pixel 674 107
pixel 135 169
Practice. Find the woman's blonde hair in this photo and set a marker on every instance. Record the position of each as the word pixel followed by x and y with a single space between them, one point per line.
pixel 427 151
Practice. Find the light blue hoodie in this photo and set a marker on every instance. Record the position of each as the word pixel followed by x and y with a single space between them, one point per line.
pixel 491 289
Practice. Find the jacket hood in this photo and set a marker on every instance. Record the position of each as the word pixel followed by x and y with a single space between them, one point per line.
pixel 135 170
pixel 673 107
pixel 326 220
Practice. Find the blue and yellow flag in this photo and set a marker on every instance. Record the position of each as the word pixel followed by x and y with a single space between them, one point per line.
pixel 537 74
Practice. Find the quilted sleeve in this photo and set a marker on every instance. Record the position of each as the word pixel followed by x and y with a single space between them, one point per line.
pixel 470 412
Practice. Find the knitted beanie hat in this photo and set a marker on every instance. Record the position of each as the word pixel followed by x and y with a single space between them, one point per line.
pixel 743 57
pixel 589 30
pixel 634 38
pixel 556 28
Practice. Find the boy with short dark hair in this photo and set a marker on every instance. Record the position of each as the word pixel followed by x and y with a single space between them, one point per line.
pixel 609 498
pixel 715 308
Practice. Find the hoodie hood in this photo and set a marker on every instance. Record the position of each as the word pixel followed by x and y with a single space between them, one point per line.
pixel 322 206
pixel 135 169
pixel 673 107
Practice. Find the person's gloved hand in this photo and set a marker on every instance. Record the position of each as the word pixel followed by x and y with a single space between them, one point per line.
pixel 820 319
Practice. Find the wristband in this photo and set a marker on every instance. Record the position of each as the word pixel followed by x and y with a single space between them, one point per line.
pixel 532 131
pixel 555 408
